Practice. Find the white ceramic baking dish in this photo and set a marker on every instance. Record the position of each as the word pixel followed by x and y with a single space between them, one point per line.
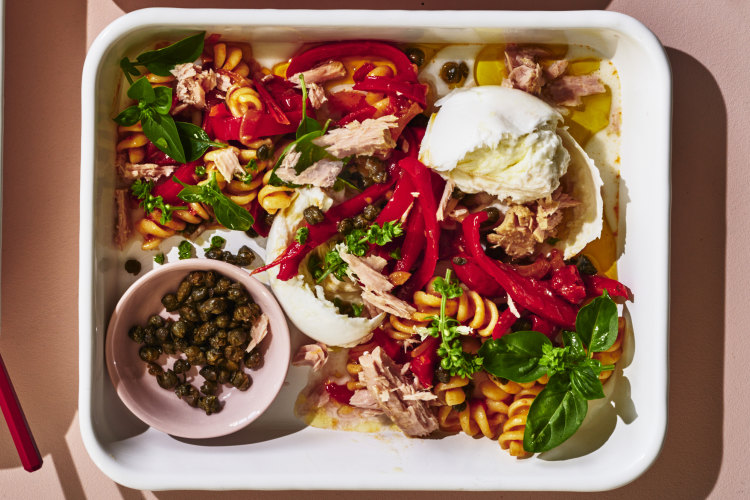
pixel 278 451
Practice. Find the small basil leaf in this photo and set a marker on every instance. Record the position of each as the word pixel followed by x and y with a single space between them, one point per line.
pixel 162 131
pixel 596 323
pixel 142 91
pixel 128 67
pixel 129 116
pixel 515 356
pixel 555 415
pixel 190 194
pixel 572 340
pixel 161 61
pixel 231 215
pixel 194 140
pixel 163 102
pixel 306 124
pixel 584 380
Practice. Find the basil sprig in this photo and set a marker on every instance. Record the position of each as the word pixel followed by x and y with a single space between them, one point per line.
pixel 142 190
pixel 227 212
pixel 310 153
pixel 559 409
pixel 160 62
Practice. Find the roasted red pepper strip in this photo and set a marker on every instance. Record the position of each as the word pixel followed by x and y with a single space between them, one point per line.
pixel 417 92
pixel 473 276
pixel 359 115
pixel 362 71
pixel 567 283
pixel 420 176
pixel 504 323
pixel 423 363
pixel 542 325
pixel 259 225
pixel 322 53
pixel 526 292
pixel 273 107
pixel 413 241
pixel 399 202
pixel 339 392
pixel 319 233
pixel 168 189
pixel 220 124
pixel 595 286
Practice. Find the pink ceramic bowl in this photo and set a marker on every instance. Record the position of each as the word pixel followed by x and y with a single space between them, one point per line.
pixel 160 408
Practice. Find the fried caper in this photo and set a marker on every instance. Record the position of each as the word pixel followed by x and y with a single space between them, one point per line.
pixel 196 278
pixel 217 342
pixel 313 215
pixel 195 355
pixel 183 291
pixel 211 278
pixel 132 266
pixel 215 305
pixel 223 376
pixel 254 359
pixel 181 344
pixel 237 336
pixel 209 373
pixel 167 379
pixel 189 313
pixel 268 219
pixel 156 321
pixel 415 55
pixel 264 152
pixel 228 365
pixel 252 233
pixel 451 72
pixel 493 215
pixel 371 212
pixel 154 369
pixel 170 302
pixel 237 295
pixel 208 387
pixel 149 338
pixel 181 328
pixel 204 332
pixel 222 321
pixel 457 194
pixel 187 393
pixel 233 353
pixel 442 376
pixel 245 256
pixel 209 404
pixel 169 348
pixel 243 313
pixel 360 222
pixel 136 334
pixel 241 381
pixel 163 334
pixel 213 356
pixel 181 366
pixel 584 265
pixel 198 295
pixel 222 286
pixel 148 353
pixel 521 325
pixel 344 226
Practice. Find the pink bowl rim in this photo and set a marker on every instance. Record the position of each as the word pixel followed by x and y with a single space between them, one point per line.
pixel 278 326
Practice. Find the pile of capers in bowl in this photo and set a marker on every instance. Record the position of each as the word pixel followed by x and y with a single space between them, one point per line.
pixel 213 332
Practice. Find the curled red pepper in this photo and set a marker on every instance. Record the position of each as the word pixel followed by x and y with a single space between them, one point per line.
pixel 475 278
pixel 413 241
pixel 423 361
pixel 331 51
pixel 529 293
pixel 420 176
pixel 417 92
pixel 504 323
pixel 567 283
pixel 542 325
pixel 596 285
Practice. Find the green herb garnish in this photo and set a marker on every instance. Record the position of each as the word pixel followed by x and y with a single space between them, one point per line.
pixel 358 241
pixel 449 331
pixel 216 242
pixel 395 253
pixel 227 212
pixel 159 258
pixel 200 170
pixel 332 264
pixel 185 250
pixel 149 203
pixel 301 235
pixel 559 409
pixel 357 310
pixel 160 62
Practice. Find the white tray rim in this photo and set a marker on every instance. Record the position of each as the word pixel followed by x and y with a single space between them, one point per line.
pixel 169 17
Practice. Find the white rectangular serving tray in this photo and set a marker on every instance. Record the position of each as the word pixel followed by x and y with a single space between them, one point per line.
pixel 280 452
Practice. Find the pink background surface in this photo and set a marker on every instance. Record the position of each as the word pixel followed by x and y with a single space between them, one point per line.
pixel 705 452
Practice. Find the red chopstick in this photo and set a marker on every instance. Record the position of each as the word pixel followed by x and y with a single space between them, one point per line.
pixel 19 428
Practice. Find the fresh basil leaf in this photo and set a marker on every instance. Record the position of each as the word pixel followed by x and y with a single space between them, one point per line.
pixel 190 194
pixel 162 131
pixel 577 351
pixel 306 124
pixel 556 414
pixel 142 91
pixel 163 102
pixel 309 152
pixel 161 61
pixel 129 116
pixel 129 68
pixel 584 380
pixel 515 356
pixel 596 323
pixel 231 215
pixel 195 140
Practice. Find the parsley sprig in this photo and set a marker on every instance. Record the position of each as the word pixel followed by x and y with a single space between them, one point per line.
pixel 332 263
pixel 301 235
pixel 358 241
pixel 142 190
pixel 227 212
pixel 453 358
pixel 184 250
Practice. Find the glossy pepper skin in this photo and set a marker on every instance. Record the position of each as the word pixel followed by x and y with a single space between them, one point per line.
pixel 567 283
pixel 529 293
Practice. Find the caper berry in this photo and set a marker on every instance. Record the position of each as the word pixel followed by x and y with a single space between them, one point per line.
pixel 371 212
pixel 170 302
pixel 313 215
pixel 264 152
pixel 344 226
pixel 415 55
pixel 451 72
pixel 167 380
pixel 148 353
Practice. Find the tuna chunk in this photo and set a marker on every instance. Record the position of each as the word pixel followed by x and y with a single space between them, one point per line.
pixel 568 90
pixel 328 71
pixel 395 395
pixel 556 69
pixel 447 192
pixel 314 355
pixel 322 173
pixel 192 84
pixel 148 171
pixel 368 138
pixel 122 220
pixel 317 95
pixel 527 78
pixel 258 332
pixel 227 163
